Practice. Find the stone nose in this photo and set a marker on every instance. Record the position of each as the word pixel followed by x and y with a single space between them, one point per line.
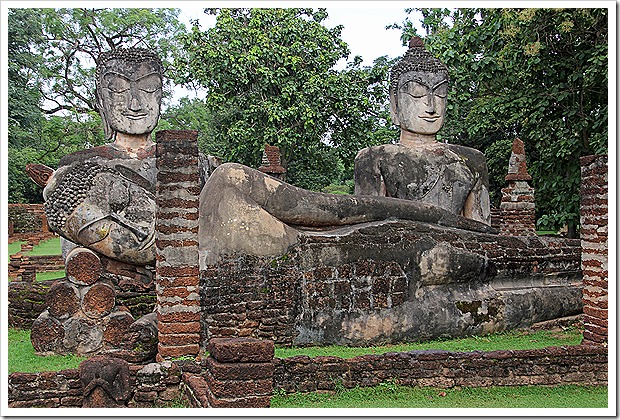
pixel 135 104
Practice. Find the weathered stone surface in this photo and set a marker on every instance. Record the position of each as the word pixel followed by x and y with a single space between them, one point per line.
pixel 239 371
pixel 83 336
pixel 241 350
pixel 105 382
pixel 140 340
pixel 83 266
pixel 116 328
pixel 328 290
pixel 98 300
pixel 46 333
pixel 63 299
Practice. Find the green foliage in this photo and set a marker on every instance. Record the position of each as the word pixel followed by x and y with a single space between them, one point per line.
pixel 21 356
pixel 270 78
pixel 23 220
pixel 77 36
pixel 51 55
pixel 391 395
pixel 512 340
pixel 14 248
pixel 193 114
pixel 536 74
pixel 56 137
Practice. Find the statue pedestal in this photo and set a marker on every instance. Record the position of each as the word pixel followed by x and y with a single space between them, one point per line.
pixel 388 282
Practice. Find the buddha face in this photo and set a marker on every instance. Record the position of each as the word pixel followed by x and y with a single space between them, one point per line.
pixel 130 95
pixel 116 218
pixel 420 102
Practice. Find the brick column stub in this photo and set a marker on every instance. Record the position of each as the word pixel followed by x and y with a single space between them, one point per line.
pixel 594 247
pixel 177 282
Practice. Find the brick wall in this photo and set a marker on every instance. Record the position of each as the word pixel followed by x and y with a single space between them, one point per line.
pixel 275 291
pixel 594 260
pixel 518 207
pixel 237 373
pixel 152 385
pixel 177 285
pixel 160 384
pixel 583 365
pixel 27 218
pixel 20 263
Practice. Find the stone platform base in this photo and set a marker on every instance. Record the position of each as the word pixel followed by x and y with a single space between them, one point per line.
pixel 388 282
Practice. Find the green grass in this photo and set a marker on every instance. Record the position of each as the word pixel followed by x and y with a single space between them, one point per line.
pixel 51 275
pixel 395 396
pixel 512 340
pixel 21 356
pixel 49 247
pixel 14 248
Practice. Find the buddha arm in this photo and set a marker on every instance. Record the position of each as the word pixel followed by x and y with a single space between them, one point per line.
pixel 368 178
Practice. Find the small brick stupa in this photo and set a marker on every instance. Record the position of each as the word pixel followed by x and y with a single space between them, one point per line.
pixel 272 162
pixel 518 208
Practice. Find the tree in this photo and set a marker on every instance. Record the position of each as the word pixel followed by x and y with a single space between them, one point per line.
pixel 270 79
pixel 536 74
pixel 51 56
pixel 76 37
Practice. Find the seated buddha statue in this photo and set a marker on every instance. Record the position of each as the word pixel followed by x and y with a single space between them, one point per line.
pixel 418 167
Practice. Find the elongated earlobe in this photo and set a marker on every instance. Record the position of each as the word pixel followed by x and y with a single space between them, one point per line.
pixel 394 109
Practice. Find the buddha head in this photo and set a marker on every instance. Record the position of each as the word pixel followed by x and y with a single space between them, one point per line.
pixel 129 90
pixel 95 206
pixel 418 91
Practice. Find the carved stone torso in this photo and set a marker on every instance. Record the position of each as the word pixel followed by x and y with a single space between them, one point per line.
pixel 436 173
pixel 140 169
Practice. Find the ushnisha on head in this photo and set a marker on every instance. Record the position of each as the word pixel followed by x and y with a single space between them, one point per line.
pixel 95 206
pixel 129 91
pixel 418 91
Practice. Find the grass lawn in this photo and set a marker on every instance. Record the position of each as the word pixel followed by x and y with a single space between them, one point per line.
pixel 395 396
pixel 14 248
pixel 512 340
pixel 49 247
pixel 51 275
pixel 23 359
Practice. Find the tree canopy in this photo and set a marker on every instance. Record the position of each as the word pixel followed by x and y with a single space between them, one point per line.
pixel 51 56
pixel 537 74
pixel 270 78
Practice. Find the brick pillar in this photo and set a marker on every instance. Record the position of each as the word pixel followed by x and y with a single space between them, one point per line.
pixel 45 227
pixel 593 235
pixel 518 208
pixel 177 285
pixel 239 372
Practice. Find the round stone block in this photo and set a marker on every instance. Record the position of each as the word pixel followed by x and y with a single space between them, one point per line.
pixel 98 300
pixel 83 266
pixel 117 326
pixel 63 300
pixel 46 334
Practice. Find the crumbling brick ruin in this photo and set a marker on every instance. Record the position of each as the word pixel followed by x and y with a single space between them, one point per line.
pixel 178 288
pixel 594 258
pixel 518 208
